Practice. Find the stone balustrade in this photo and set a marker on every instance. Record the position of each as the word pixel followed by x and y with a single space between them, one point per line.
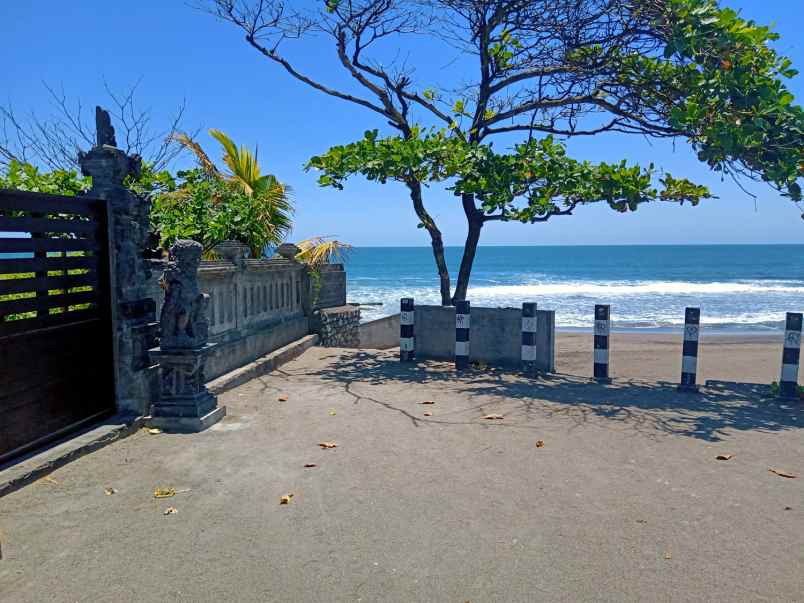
pixel 253 293
pixel 255 307
pixel 258 306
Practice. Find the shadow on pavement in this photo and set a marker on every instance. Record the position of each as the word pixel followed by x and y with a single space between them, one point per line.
pixel 644 406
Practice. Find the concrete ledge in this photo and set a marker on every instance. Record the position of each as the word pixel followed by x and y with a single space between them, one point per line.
pixel 380 334
pixel 18 473
pixel 262 366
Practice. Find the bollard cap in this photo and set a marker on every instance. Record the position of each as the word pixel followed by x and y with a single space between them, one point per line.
pixel 602 311
pixel 793 321
pixel 692 316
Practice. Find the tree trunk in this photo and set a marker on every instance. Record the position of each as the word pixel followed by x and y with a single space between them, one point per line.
pixel 436 240
pixel 475 221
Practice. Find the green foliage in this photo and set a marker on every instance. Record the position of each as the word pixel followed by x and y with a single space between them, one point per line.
pixel 722 86
pixel 534 181
pixel 26 177
pixel 210 206
pixel 210 210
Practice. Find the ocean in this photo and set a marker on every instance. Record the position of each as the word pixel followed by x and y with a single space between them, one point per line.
pixel 739 288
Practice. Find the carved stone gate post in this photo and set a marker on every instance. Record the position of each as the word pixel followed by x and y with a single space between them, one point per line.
pixel 133 311
pixel 184 403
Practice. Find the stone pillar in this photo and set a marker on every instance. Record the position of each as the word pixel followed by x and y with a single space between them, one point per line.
pixel 132 307
pixel 184 402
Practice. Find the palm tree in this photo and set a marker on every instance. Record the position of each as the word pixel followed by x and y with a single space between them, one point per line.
pixel 270 199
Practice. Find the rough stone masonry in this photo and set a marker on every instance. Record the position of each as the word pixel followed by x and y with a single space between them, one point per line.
pixel 340 326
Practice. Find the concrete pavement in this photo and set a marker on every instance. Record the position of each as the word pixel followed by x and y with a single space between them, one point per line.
pixel 624 502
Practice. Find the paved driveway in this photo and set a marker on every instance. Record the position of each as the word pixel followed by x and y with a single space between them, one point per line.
pixel 625 500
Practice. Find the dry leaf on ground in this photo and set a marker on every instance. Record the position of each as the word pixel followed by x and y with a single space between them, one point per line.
pixel 310 465
pixel 328 444
pixel 171 511
pixel 724 457
pixel 332 412
pixel 427 402
pixel 284 500
pixel 539 443
pixel 282 398
pixel 110 491
pixel 164 492
pixel 782 473
pixel 154 430
pixel 427 413
pixel 493 417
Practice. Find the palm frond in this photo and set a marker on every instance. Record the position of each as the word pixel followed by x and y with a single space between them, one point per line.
pixel 320 250
pixel 242 163
pixel 203 159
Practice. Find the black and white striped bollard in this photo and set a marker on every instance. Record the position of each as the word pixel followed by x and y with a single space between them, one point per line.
pixel 689 357
pixel 788 383
pixel 602 331
pixel 461 334
pixel 407 340
pixel 529 329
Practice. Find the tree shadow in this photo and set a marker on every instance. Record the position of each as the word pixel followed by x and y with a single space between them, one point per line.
pixel 652 408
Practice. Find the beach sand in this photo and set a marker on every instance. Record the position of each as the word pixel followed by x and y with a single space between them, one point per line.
pixel 657 356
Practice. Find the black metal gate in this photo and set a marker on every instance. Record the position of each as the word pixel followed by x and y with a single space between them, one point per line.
pixel 56 353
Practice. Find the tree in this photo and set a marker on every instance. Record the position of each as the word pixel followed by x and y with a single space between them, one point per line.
pixel 659 68
pixel 53 142
pixel 210 205
pixel 685 69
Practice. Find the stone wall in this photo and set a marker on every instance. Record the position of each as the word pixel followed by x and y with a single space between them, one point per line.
pixel 339 327
pixel 332 291
pixel 132 310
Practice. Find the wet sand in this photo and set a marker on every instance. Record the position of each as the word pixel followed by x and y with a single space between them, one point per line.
pixel 657 356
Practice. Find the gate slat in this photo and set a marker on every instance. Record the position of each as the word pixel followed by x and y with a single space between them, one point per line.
pixel 8 245
pixel 47 225
pixel 23 327
pixel 43 204
pixel 47 283
pixel 25 265
pixel 18 306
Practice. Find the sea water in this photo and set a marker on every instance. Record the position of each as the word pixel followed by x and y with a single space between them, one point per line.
pixel 739 288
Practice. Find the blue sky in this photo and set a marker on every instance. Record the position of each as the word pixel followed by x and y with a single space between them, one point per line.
pixel 179 52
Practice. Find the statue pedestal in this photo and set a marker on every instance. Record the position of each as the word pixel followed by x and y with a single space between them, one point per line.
pixel 185 404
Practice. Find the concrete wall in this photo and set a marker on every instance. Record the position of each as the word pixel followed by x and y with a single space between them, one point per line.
pixel 495 335
pixel 332 292
pixel 380 334
pixel 239 348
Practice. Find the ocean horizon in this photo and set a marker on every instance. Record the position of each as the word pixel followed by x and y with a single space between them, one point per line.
pixel 739 288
